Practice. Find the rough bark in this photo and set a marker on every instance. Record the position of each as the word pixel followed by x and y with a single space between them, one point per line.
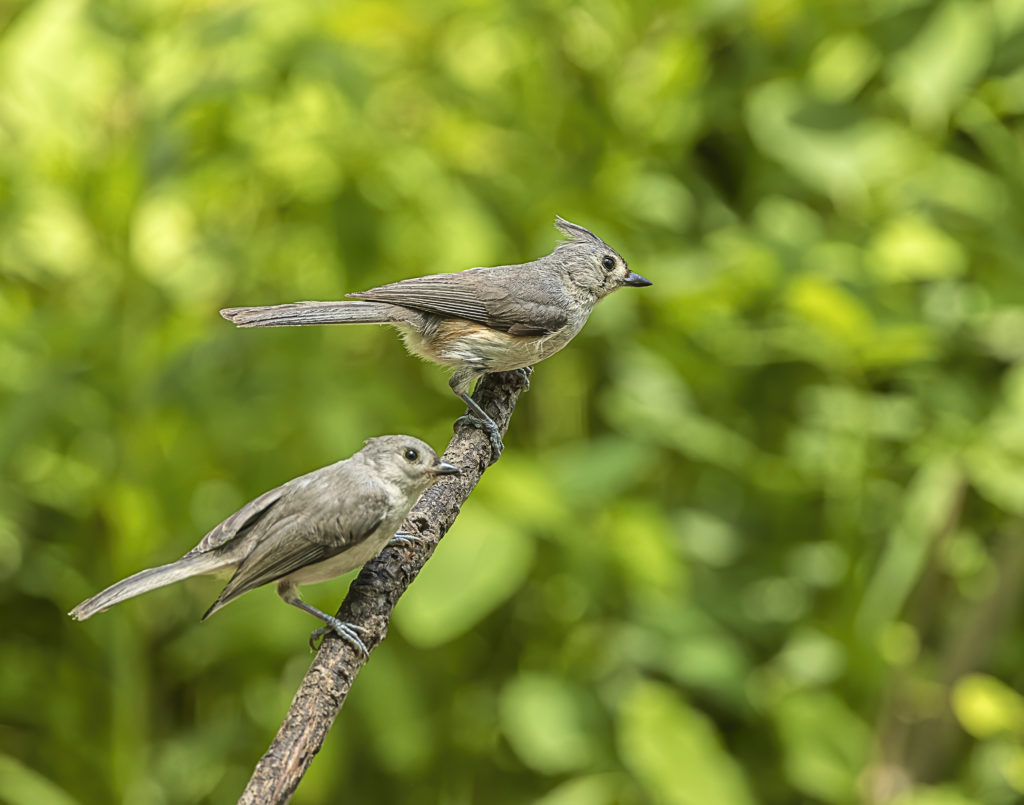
pixel 372 597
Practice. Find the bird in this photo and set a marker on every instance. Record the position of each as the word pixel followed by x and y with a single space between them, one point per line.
pixel 480 320
pixel 310 529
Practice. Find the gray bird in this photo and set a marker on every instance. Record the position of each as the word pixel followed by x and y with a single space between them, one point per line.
pixel 313 528
pixel 480 320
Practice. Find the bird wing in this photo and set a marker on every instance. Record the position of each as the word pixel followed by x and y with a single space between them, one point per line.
pixel 241 521
pixel 522 299
pixel 315 522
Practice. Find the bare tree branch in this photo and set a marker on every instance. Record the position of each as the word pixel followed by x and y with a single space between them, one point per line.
pixel 372 597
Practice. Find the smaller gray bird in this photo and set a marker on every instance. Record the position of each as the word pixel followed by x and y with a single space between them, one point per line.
pixel 313 528
pixel 480 320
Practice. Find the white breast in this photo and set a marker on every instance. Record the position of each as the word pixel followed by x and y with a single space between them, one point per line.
pixel 500 352
pixel 354 557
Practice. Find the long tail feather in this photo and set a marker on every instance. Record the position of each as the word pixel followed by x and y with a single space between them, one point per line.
pixel 146 580
pixel 298 313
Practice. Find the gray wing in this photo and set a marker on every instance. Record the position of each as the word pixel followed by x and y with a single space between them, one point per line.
pixel 314 523
pixel 239 523
pixel 523 299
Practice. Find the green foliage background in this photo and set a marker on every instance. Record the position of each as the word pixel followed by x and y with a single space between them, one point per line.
pixel 756 537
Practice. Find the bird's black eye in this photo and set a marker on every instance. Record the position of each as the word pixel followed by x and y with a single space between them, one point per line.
pixel 608 262
pixel 411 455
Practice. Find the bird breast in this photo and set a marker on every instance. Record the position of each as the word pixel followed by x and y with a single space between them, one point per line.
pixel 349 559
pixel 459 343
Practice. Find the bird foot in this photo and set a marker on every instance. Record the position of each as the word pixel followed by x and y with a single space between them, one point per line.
pixel 346 631
pixel 488 427
pixel 405 539
pixel 523 376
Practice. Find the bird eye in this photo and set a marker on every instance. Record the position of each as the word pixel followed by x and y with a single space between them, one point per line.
pixel 608 262
pixel 411 455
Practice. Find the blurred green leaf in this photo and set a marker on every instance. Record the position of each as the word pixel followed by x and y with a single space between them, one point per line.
pixel 937 67
pixel 926 511
pixel 20 785
pixel 545 721
pixel 464 582
pixel 825 745
pixel 597 789
pixel 674 751
pixel 986 707
pixel 935 795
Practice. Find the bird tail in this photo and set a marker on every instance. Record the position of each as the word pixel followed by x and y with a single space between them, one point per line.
pixel 146 580
pixel 298 313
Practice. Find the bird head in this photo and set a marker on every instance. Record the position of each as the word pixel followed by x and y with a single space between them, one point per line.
pixel 405 461
pixel 592 264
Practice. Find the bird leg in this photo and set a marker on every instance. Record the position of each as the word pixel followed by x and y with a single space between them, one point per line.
pixel 346 631
pixel 478 418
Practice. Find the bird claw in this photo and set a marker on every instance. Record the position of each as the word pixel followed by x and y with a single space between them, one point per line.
pixel 346 631
pixel 404 538
pixel 523 376
pixel 488 427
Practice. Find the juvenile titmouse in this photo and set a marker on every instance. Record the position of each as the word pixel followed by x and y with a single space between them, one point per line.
pixel 311 529
pixel 480 320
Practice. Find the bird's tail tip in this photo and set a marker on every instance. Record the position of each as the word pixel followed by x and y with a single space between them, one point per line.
pixel 88 608
pixel 240 316
pixel 146 580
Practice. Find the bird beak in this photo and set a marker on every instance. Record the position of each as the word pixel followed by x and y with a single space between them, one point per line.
pixel 634 280
pixel 443 468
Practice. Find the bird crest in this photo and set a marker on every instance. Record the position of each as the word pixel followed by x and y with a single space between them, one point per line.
pixel 575 232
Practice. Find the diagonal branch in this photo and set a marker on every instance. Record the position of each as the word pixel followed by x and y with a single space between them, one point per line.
pixel 372 597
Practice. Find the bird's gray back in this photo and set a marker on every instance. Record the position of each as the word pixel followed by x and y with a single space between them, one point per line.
pixel 529 298
pixel 317 517
pixel 321 503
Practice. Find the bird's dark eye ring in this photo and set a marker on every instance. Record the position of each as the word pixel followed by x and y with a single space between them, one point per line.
pixel 411 455
pixel 608 262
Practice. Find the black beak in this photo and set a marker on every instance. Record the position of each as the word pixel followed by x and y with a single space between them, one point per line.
pixel 634 280
pixel 444 468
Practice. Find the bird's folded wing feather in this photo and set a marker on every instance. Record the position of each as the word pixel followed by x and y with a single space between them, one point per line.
pixel 523 300
pixel 241 521
pixel 315 529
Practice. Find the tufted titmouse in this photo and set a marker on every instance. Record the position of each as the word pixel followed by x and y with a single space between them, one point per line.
pixel 313 528
pixel 480 320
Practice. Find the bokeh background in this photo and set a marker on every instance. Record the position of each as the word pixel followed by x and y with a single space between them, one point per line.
pixel 756 537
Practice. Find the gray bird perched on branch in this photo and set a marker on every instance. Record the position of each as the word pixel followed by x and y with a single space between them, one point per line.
pixel 480 320
pixel 313 528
